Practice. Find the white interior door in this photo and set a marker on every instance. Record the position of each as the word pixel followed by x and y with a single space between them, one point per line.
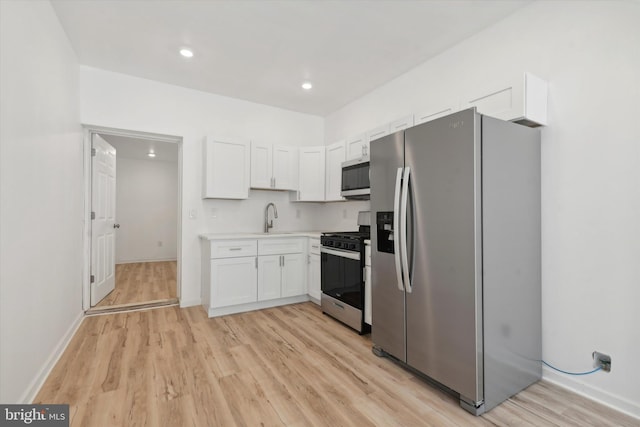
pixel 103 226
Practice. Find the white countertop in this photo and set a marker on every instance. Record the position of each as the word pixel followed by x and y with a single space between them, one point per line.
pixel 270 235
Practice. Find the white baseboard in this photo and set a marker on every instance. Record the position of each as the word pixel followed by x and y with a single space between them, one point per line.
pixel 190 303
pixel 611 400
pixel 38 381
pixel 134 261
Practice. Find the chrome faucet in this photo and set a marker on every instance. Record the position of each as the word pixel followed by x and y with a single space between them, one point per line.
pixel 269 224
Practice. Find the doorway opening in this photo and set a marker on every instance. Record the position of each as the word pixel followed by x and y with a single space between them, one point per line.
pixel 132 233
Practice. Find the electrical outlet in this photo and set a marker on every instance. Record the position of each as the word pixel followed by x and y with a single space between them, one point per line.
pixel 214 213
pixel 298 213
pixel 601 360
pixel 193 213
pixel 344 213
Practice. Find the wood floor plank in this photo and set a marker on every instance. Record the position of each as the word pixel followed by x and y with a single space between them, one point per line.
pixel 141 282
pixel 278 395
pixel 284 366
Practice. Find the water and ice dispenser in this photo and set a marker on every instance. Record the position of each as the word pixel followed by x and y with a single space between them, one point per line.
pixel 384 228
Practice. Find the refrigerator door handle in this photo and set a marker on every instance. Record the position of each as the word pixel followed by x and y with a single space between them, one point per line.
pixel 396 228
pixel 403 229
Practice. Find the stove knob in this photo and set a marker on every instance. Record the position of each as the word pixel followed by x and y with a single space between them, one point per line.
pixel 352 246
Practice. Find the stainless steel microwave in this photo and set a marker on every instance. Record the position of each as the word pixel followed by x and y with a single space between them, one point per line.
pixel 355 179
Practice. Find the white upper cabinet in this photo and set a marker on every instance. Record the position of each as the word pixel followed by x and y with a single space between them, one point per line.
pixel 522 99
pixel 358 145
pixel 226 168
pixel 311 174
pixel 285 168
pixel 274 167
pixel 435 112
pixel 336 154
pixel 401 123
pixel 261 165
pixel 355 146
pixel 374 134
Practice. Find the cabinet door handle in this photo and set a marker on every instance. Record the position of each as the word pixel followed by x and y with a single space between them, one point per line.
pixel 274 182
pixel 256 262
pixel 235 249
pixel 283 260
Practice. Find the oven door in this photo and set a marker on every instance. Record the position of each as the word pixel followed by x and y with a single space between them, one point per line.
pixel 341 276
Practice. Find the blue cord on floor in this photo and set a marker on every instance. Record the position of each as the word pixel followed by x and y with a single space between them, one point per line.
pixel 573 373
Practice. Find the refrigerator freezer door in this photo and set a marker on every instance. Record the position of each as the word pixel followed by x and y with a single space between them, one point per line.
pixel 388 328
pixel 444 309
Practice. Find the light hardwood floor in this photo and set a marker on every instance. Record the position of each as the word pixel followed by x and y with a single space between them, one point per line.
pixel 288 366
pixel 141 282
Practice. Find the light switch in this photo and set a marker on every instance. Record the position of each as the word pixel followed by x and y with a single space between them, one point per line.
pixel 193 213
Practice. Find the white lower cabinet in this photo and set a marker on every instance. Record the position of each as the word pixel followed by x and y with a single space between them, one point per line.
pixel 259 277
pixel 313 276
pixel 233 281
pixel 293 275
pixel 281 276
pixel 268 277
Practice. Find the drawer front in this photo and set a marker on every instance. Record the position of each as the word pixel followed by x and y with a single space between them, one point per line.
pixel 292 245
pixel 233 248
pixel 314 246
pixel 367 255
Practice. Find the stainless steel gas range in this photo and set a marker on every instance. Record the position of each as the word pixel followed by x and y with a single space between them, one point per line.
pixel 342 274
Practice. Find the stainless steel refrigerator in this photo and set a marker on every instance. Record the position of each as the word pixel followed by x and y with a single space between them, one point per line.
pixel 456 254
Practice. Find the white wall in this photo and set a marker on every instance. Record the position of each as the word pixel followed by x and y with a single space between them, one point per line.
pixel 41 199
pixel 589 52
pixel 120 101
pixel 146 209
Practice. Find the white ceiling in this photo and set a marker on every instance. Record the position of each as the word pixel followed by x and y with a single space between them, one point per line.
pixel 262 51
pixel 136 148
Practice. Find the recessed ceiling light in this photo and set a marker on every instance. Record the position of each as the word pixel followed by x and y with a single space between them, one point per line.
pixel 306 85
pixel 151 153
pixel 187 53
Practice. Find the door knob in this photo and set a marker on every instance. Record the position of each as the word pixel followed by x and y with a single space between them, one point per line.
pixel 116 225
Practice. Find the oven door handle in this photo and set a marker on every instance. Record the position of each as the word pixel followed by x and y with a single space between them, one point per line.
pixel 396 229
pixel 340 253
